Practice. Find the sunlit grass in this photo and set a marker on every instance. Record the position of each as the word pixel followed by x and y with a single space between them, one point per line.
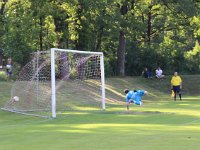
pixel 159 124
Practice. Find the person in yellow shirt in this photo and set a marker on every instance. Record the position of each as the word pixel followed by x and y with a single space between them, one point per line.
pixel 176 85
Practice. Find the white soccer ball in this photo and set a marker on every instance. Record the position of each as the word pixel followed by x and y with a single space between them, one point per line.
pixel 16 98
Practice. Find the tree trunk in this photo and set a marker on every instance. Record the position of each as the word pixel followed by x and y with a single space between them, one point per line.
pixel 2 19
pixel 149 25
pixel 99 39
pixel 41 30
pixel 122 43
pixel 78 45
pixel 121 54
pixel 3 7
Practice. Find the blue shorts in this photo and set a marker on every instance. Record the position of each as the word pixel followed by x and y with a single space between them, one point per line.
pixel 9 73
pixel 176 89
pixel 138 102
pixel 135 102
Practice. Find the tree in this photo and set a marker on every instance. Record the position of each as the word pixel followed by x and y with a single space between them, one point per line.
pixel 131 33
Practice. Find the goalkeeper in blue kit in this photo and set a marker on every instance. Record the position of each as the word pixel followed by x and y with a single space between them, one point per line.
pixel 134 96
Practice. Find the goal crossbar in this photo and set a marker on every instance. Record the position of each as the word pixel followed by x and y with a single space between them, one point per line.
pixel 76 51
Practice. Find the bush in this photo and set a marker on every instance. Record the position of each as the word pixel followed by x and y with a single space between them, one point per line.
pixel 3 76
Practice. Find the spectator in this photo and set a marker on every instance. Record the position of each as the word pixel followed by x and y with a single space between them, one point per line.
pixel 9 68
pixel 146 73
pixel 159 73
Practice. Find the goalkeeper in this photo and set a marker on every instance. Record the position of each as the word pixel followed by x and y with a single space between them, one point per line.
pixel 134 97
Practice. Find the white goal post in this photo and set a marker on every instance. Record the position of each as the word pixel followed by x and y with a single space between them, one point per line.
pixel 59 80
pixel 53 80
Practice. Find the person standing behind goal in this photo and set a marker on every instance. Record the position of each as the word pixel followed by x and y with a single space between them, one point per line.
pixel 176 85
pixel 9 68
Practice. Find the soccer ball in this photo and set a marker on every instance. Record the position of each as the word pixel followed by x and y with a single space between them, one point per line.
pixel 16 98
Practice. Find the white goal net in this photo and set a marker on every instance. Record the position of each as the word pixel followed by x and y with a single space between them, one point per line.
pixel 57 81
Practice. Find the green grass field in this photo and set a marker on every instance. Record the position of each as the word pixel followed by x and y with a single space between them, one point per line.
pixel 160 124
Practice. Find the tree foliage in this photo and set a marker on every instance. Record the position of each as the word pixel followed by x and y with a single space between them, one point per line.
pixel 133 34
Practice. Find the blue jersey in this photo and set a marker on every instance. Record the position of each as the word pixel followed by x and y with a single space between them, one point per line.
pixel 136 96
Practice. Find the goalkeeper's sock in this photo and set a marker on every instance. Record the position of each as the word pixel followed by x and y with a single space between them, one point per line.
pixel 174 96
pixel 180 97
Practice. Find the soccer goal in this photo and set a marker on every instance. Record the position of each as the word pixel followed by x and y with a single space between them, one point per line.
pixel 58 81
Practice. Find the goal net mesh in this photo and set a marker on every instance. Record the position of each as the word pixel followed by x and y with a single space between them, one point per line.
pixel 78 84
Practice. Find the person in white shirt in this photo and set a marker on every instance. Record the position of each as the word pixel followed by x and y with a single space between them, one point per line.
pixel 9 68
pixel 159 73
